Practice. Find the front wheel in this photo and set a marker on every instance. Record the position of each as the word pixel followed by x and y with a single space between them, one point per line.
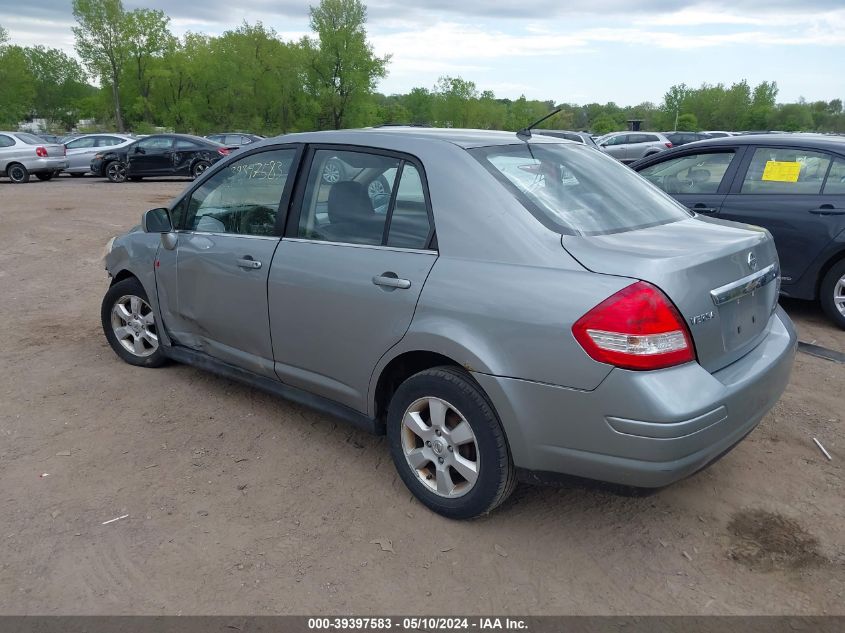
pixel 116 171
pixel 833 294
pixel 198 168
pixel 130 326
pixel 448 445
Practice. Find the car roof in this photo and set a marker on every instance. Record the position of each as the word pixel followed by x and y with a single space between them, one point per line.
pixel 379 136
pixel 820 141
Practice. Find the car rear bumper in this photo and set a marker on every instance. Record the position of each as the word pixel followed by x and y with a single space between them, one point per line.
pixel 644 429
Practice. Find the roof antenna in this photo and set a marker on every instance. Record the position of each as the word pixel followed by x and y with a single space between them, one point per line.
pixel 525 133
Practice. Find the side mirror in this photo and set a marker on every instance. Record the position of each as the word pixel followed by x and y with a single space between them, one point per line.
pixel 156 221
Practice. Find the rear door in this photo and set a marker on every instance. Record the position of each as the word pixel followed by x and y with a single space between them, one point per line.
pixel 699 180
pixel 213 285
pixel 347 275
pixel 780 188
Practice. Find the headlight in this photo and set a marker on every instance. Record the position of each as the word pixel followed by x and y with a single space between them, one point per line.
pixel 109 246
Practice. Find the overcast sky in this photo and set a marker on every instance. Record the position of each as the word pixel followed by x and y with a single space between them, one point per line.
pixel 578 51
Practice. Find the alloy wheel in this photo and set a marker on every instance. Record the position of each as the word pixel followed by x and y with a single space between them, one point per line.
pixel 116 172
pixel 17 173
pixel 133 324
pixel 839 295
pixel 440 447
pixel 331 173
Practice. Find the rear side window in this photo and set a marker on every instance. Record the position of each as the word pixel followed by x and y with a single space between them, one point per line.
pixel 184 145
pixel 835 183
pixel 695 173
pixel 6 141
pixel 108 141
pixel 577 191
pixel 409 225
pixel 775 170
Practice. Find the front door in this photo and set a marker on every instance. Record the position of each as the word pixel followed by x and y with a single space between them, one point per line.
pixel 346 278
pixel 213 285
pixel 784 190
pixel 151 156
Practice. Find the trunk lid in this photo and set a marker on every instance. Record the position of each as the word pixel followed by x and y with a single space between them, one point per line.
pixel 722 277
pixel 54 150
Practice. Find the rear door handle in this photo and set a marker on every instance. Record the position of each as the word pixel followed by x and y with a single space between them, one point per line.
pixel 827 209
pixel 391 280
pixel 249 262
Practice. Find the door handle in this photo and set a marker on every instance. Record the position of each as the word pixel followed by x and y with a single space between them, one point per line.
pixel 390 281
pixel 827 209
pixel 700 208
pixel 249 262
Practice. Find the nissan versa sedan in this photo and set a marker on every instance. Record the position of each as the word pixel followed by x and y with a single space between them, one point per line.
pixel 158 155
pixel 792 185
pixel 82 149
pixel 517 307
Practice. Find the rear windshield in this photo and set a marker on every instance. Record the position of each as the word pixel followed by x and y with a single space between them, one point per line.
pixel 575 190
pixel 30 139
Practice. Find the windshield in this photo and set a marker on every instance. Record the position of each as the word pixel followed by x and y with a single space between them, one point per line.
pixel 575 190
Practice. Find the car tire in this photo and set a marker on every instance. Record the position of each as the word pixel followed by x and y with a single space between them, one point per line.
pixel 115 171
pixel 832 294
pixel 45 175
pixel 17 173
pixel 458 471
pixel 378 187
pixel 76 174
pixel 129 324
pixel 198 168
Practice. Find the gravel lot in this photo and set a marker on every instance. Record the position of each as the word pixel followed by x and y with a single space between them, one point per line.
pixel 239 502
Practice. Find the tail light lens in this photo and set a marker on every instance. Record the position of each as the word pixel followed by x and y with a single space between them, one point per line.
pixel 669 145
pixel 223 151
pixel 41 152
pixel 636 328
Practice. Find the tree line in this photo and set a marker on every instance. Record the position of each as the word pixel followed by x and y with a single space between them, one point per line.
pixel 250 79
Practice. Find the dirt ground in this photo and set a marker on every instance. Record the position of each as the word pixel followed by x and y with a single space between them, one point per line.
pixel 241 503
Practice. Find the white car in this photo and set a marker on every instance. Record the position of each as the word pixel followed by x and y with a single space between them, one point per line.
pixel 82 149
pixel 22 154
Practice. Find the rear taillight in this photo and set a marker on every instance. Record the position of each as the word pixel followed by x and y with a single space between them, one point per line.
pixel 223 151
pixel 41 152
pixel 636 328
pixel 669 145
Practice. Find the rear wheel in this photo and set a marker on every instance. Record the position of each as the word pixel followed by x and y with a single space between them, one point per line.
pixel 116 171
pixel 130 326
pixel 17 173
pixel 448 445
pixel 833 294
pixel 45 175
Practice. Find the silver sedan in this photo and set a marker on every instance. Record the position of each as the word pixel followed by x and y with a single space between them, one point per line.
pixel 23 154
pixel 508 307
pixel 82 149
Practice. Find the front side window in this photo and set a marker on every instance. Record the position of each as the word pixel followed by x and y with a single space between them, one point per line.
pixel 835 183
pixel 87 141
pixel 694 173
pixel 775 170
pixel 242 198
pixel 617 140
pixel 347 197
pixel 577 191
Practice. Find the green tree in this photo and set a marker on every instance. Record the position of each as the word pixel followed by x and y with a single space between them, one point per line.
pixel 147 38
pixel 102 43
pixel 59 82
pixel 17 86
pixel 343 67
pixel 604 124
pixel 687 122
